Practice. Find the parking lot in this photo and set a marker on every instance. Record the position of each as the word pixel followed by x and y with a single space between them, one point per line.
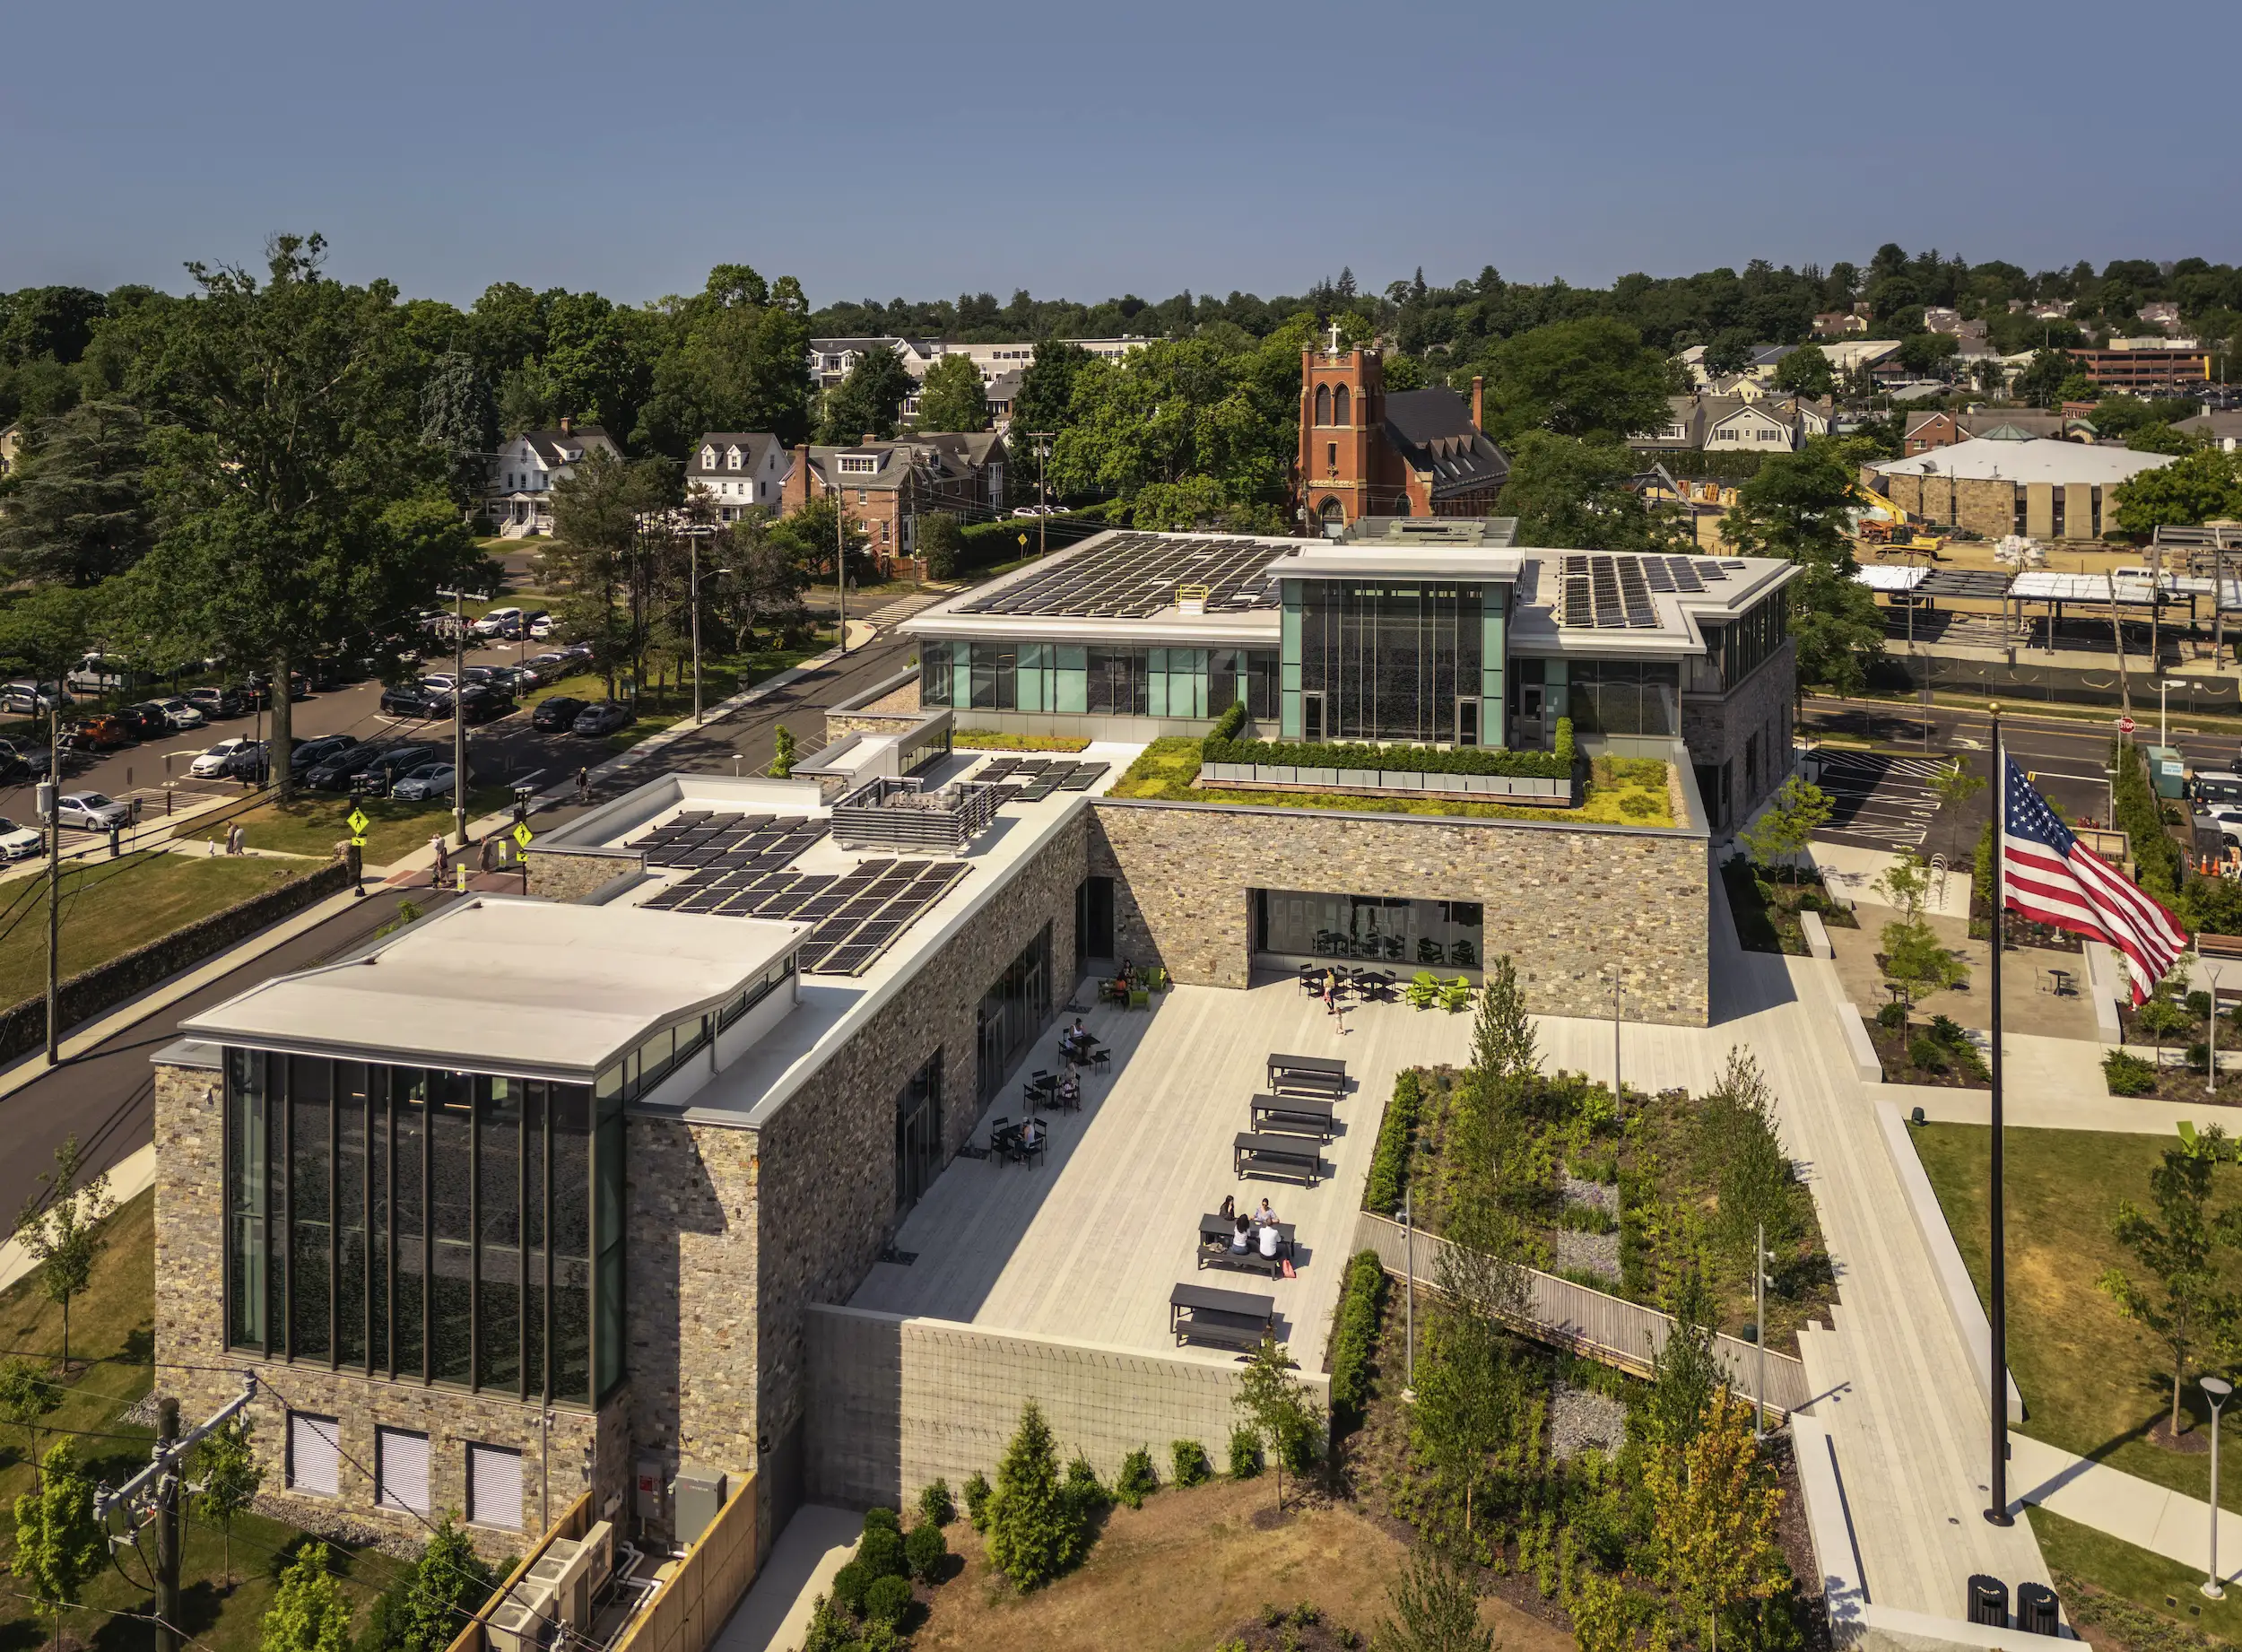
pixel 1881 800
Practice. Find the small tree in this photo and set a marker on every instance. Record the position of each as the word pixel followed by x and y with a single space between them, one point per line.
pixel 1955 786
pixel 1905 885
pixel 1798 809
pixel 1685 1373
pixel 2181 1301
pixel 230 1479
pixel 1713 1519
pixel 2161 1018
pixel 58 1543
pixel 1436 1609
pixel 1465 1403
pixel 1032 1536
pixel 447 1578
pixel 1917 963
pixel 783 750
pixel 27 1394
pixel 64 1237
pixel 1279 1409
pixel 308 1612
pixel 941 543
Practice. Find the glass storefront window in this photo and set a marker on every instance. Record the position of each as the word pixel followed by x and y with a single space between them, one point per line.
pixel 1391 662
pixel 1390 929
pixel 432 1226
pixel 1014 1010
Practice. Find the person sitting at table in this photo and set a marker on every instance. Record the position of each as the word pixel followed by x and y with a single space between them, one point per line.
pixel 1071 1090
pixel 1242 1241
pixel 1269 1241
pixel 1229 1207
pixel 1265 1217
pixel 1030 1136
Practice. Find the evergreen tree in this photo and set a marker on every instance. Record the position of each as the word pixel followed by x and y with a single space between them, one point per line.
pixel 459 414
pixel 76 510
pixel 1033 1535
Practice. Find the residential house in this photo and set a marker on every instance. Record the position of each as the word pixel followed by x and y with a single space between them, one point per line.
pixel 527 469
pixel 2052 309
pixel 888 485
pixel 2223 429
pixel 11 445
pixel 1753 422
pixel 2161 314
pixel 1013 356
pixel 1840 324
pixel 1001 392
pixel 1942 429
pixel 830 359
pixel 1939 319
pixel 743 471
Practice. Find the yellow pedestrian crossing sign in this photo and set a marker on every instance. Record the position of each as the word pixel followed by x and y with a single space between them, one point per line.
pixel 522 834
pixel 357 822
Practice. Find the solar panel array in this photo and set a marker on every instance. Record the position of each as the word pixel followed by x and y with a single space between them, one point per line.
pixel 734 842
pixel 861 915
pixel 1601 592
pixel 1134 576
pixel 1027 779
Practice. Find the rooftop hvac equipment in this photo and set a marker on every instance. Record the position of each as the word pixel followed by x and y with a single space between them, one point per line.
pixel 526 1620
pixel 572 1570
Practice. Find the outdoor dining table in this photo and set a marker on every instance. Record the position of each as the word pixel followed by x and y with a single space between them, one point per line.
pixel 1234 1318
pixel 1289 1156
pixel 1325 1075
pixel 1303 1115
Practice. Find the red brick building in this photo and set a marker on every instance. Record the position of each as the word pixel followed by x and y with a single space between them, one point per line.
pixel 888 485
pixel 1368 452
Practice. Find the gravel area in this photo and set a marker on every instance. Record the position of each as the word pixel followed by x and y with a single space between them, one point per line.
pixel 1605 1196
pixel 1580 1419
pixel 1598 1253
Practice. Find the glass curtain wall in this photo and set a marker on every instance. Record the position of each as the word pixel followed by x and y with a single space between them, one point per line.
pixel 918 1134
pixel 1088 679
pixel 1370 928
pixel 1013 1012
pixel 1623 697
pixel 1390 661
pixel 423 1224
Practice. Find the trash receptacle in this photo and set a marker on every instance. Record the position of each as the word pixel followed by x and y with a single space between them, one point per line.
pixel 1989 1602
pixel 2037 1611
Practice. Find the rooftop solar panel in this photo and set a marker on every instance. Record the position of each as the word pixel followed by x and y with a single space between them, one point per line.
pixel 1085 776
pixel 1134 576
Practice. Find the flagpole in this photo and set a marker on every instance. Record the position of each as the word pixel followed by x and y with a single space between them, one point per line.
pixel 1997 1394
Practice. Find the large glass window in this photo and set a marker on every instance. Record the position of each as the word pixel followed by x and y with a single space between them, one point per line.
pixel 426 1225
pixel 1622 697
pixel 1741 646
pixel 1390 661
pixel 1427 934
pixel 918 1134
pixel 1014 1010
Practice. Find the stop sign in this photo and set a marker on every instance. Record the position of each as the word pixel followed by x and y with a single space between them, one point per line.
pixel 2124 726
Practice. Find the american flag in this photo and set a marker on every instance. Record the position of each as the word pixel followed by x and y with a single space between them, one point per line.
pixel 2054 879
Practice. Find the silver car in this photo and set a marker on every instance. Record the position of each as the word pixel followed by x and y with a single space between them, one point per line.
pixel 429 781
pixel 91 812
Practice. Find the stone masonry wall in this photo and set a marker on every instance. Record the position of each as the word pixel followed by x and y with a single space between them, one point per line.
pixel 842 723
pixel 193 1362
pixel 896 1401
pixel 823 1165
pixel 1718 732
pixel 1985 507
pixel 1564 901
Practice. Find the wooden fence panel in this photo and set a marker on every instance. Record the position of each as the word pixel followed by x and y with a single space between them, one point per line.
pixel 1595 1323
pixel 688 1611
pixel 574 1522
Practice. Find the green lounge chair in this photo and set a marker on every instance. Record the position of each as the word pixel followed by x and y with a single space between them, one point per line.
pixel 1456 994
pixel 1423 990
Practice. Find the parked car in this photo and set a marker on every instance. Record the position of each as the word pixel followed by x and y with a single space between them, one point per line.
pixel 512 680
pixel 583 651
pixel 20 842
pixel 550 665
pixel 145 719
pixel 603 718
pixel 308 755
pixel 91 811
pixel 12 763
pixel 556 716
pixel 105 733
pixel 437 682
pixel 180 714
pixel 536 623
pixel 216 702
pixel 32 697
pixel 103 673
pixel 252 761
pixel 429 781
pixel 213 761
pixel 258 685
pixel 334 772
pixel 495 621
pixel 414 700
pixel 387 767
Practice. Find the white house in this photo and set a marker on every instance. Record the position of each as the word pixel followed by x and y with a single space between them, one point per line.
pixel 742 470
pixel 1750 429
pixel 528 467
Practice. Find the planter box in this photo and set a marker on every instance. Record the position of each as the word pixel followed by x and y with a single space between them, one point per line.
pixel 1531 790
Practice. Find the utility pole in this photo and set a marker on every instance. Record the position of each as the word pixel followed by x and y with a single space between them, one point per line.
pixel 1409 1299
pixel 1043 492
pixel 1759 1316
pixel 459 712
pixel 49 798
pixel 167 1527
pixel 693 552
pixel 841 559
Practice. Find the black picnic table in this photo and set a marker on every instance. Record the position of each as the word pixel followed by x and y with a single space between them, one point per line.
pixel 1293 1115
pixel 1234 1318
pixel 1323 1075
pixel 1217 1231
pixel 1286 1156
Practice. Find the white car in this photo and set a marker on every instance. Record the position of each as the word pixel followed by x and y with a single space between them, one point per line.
pixel 213 761
pixel 92 812
pixel 492 623
pixel 20 842
pixel 180 714
pixel 541 627
pixel 429 781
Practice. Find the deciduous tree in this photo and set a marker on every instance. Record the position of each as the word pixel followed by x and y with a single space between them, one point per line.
pixel 1592 377
pixel 2178 1295
pixel 1805 371
pixel 1570 493
pixel 308 1612
pixel 1714 1508
pixel 1786 826
pixel 2194 487
pixel 27 1394
pixel 61 1230
pixel 1272 1399
pixel 58 1543
pixel 1434 1608
pixel 951 396
pixel 227 1467
pixel 868 401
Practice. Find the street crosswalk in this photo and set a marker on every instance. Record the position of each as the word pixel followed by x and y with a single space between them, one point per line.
pixel 1880 798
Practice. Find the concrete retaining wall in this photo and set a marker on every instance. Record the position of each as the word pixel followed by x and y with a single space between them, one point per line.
pixel 896 1401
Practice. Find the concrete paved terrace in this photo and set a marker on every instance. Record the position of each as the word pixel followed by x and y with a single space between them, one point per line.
pixel 1087 1245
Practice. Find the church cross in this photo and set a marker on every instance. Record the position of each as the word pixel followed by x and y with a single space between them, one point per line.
pixel 1334 337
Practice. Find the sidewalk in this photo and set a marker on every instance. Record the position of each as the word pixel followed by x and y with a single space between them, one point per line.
pixel 774 1615
pixel 130 1178
pixel 1850 870
pixel 2123 1506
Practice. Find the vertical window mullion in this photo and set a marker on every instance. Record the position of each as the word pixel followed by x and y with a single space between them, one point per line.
pixel 334 1212
pixel 428 1229
pixel 279 1071
pixel 477 1092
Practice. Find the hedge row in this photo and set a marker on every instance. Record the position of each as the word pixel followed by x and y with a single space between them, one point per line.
pixel 1354 1335
pixel 1555 765
pixel 2141 817
pixel 1389 1164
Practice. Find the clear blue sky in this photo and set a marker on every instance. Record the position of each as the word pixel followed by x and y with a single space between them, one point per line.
pixel 875 150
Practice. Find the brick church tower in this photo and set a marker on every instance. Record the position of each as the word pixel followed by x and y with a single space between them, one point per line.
pixel 1342 422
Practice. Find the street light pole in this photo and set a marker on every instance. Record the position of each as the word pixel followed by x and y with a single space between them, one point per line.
pixel 693 551
pixel 1409 1300
pixel 458 713
pixel 2215 1389
pixel 840 558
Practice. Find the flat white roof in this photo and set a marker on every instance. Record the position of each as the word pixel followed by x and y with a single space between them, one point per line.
pixel 2039 459
pixel 1385 558
pixel 502 984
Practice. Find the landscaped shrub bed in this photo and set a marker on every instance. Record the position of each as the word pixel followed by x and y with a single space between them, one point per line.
pixel 1389 1164
pixel 1767 909
pixel 1401 758
pixel 1354 1338
pixel 1002 740
pixel 1937 1052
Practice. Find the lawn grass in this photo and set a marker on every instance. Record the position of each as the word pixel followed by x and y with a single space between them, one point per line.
pixel 2092 1381
pixel 2116 1574
pixel 110 907
pixel 1167 768
pixel 664 704
pixel 112 1325
pixel 314 823
pixel 998 740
